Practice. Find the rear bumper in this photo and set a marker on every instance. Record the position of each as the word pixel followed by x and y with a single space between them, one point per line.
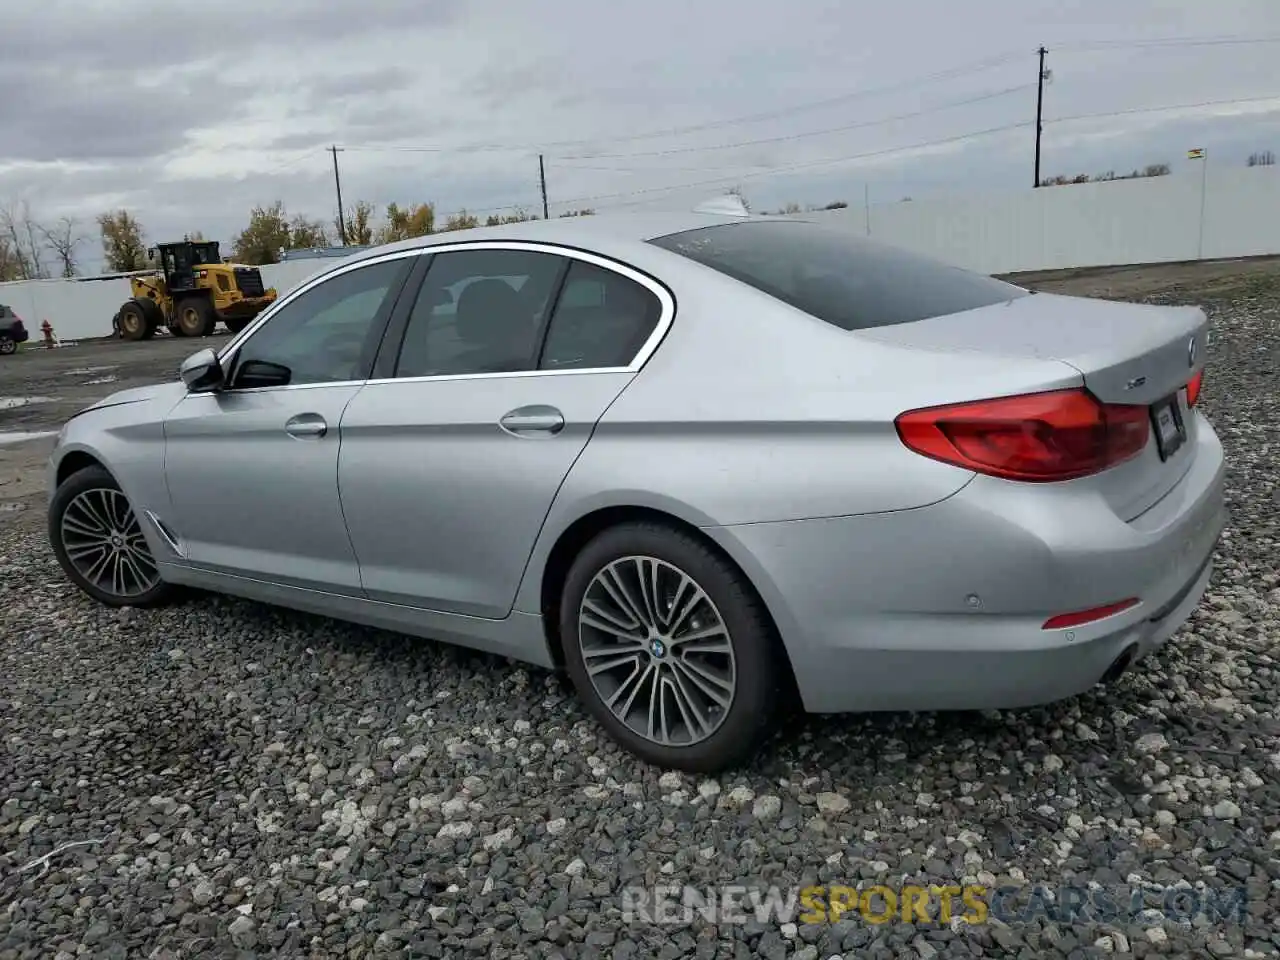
pixel 943 607
pixel 17 336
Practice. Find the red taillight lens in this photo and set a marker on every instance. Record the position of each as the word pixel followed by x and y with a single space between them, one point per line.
pixel 1081 617
pixel 1193 388
pixel 1057 435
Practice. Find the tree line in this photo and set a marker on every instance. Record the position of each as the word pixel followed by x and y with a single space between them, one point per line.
pixel 31 250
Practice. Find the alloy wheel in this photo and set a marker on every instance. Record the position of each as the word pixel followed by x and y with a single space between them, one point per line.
pixel 104 542
pixel 657 650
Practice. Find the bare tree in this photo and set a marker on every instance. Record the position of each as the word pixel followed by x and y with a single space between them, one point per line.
pixel 63 240
pixel 23 238
pixel 1263 158
pixel 10 269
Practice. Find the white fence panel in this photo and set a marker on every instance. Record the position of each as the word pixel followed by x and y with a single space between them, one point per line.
pixel 1151 220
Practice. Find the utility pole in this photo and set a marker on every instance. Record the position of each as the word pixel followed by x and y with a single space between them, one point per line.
pixel 1039 111
pixel 542 176
pixel 1204 186
pixel 337 183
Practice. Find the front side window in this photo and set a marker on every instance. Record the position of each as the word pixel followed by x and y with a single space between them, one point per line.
pixel 601 319
pixel 322 336
pixel 479 311
pixel 836 275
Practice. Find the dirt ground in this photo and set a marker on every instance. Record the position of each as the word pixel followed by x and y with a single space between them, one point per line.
pixel 40 389
pixel 1216 280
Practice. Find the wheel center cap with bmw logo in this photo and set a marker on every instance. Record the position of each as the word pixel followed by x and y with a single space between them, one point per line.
pixel 657 648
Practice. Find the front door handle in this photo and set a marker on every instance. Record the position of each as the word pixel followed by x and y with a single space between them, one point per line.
pixel 306 426
pixel 534 420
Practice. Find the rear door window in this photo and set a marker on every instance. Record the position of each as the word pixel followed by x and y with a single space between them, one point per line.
pixel 837 276
pixel 601 319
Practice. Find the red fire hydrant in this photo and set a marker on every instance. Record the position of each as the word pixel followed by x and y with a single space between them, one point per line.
pixel 47 329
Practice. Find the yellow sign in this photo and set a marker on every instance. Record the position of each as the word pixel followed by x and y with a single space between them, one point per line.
pixel 881 904
pixel 1196 154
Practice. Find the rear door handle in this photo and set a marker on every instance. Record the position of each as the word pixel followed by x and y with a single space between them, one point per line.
pixel 534 420
pixel 306 426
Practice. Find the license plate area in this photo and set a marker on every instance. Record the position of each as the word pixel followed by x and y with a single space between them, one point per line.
pixel 1170 429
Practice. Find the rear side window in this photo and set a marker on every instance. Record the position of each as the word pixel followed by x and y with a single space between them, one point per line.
pixel 836 275
pixel 602 319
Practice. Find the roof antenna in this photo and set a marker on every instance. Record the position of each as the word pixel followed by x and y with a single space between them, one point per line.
pixel 728 205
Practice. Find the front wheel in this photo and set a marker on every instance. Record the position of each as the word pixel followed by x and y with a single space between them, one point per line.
pixel 236 324
pixel 98 541
pixel 670 648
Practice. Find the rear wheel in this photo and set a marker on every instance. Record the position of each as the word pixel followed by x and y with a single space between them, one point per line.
pixel 98 541
pixel 193 317
pixel 670 648
pixel 8 346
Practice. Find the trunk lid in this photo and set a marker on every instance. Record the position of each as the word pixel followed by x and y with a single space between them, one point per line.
pixel 1124 352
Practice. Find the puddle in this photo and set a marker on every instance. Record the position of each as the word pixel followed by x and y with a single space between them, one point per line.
pixel 22 436
pixel 10 403
pixel 81 371
pixel 90 383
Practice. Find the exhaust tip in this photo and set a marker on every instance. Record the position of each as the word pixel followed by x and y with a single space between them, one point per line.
pixel 1120 664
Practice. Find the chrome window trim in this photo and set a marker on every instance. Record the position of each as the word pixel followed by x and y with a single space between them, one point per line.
pixel 666 315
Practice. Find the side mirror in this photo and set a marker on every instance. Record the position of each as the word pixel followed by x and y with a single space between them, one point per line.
pixel 262 373
pixel 201 371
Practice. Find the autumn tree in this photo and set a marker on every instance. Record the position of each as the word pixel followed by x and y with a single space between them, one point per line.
pixel 304 233
pixel 122 244
pixel 265 236
pixel 63 239
pixel 358 225
pixel 496 220
pixel 417 220
pixel 10 269
pixel 461 221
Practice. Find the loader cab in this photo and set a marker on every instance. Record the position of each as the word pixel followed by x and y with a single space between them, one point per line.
pixel 179 261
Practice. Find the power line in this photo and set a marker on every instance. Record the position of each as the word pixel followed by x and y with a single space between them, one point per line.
pixel 808 164
pixel 1167 42
pixel 949 74
pixel 787 168
pixel 809 133
pixel 1176 106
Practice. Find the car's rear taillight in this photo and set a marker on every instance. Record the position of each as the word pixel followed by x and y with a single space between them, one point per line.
pixel 1056 435
pixel 1193 388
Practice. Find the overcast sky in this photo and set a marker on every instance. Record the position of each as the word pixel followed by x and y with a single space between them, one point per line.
pixel 190 115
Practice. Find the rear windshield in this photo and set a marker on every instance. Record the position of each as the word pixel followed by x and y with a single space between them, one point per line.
pixel 837 275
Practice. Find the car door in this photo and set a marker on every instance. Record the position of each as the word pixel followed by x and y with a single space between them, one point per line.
pixel 452 454
pixel 252 467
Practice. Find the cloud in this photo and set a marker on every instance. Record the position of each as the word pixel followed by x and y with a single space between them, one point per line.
pixel 189 118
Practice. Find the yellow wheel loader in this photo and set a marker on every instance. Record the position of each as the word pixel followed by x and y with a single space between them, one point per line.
pixel 191 291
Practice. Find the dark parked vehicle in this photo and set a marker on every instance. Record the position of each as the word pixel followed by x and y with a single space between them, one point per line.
pixel 12 331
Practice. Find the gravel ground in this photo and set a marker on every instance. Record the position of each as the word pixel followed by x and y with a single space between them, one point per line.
pixel 243 781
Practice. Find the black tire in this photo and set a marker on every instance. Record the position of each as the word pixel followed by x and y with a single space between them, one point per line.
pixel 758 670
pixel 91 480
pixel 134 322
pixel 155 315
pixel 236 324
pixel 193 317
pixel 8 346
